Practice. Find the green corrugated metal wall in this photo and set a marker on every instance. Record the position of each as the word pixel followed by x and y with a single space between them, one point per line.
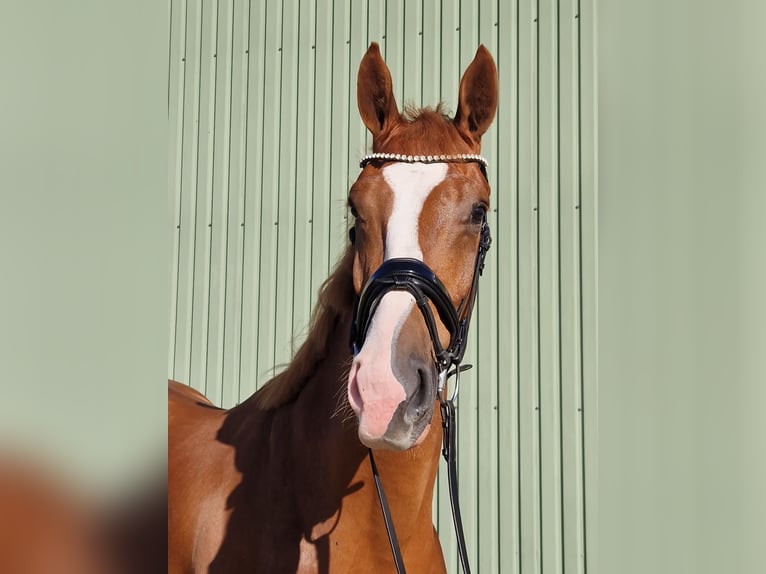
pixel 266 142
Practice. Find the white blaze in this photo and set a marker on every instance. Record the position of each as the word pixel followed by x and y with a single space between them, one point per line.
pixel 374 391
pixel 411 183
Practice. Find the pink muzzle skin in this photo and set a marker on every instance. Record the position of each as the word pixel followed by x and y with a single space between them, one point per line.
pixel 374 392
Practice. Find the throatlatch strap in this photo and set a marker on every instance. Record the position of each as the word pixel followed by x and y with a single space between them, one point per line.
pixel 397 553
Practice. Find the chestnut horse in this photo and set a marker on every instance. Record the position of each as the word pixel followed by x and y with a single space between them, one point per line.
pixel 280 483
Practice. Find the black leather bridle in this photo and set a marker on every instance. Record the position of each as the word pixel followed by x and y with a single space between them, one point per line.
pixel 416 278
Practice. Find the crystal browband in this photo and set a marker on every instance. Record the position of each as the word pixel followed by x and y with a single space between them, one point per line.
pixel 456 158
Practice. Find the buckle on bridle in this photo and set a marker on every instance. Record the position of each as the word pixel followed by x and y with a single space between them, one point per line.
pixel 445 375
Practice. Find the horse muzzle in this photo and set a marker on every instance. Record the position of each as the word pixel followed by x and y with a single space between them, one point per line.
pixel 398 354
pixel 393 378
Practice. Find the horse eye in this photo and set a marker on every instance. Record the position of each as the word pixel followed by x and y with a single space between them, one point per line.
pixel 478 213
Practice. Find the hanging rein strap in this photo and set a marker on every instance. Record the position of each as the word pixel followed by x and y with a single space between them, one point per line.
pixel 448 450
pixel 392 540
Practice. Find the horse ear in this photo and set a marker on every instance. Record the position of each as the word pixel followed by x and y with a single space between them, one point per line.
pixel 477 100
pixel 374 93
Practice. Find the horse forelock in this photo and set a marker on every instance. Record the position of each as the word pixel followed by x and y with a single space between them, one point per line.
pixel 423 131
pixel 334 303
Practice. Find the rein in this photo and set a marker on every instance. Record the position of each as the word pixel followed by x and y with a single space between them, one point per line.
pixel 415 277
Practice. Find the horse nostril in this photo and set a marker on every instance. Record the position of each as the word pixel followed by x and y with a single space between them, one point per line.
pixel 424 382
pixel 423 393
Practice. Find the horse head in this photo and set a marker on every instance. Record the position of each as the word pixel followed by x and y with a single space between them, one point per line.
pixel 420 207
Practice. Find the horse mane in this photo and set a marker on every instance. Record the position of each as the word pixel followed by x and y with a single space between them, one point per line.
pixel 334 302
